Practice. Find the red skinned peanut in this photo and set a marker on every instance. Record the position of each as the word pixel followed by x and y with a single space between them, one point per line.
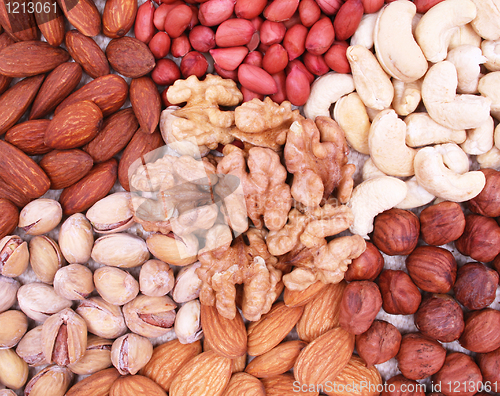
pixel 336 58
pixel 371 6
pixel 180 46
pixel 424 5
pixel 160 45
pixel 347 19
pixel 281 10
pixel 249 95
pixel 254 58
pixel 194 19
pixel 320 36
pixel 232 74
pixel 160 15
pixel 329 7
pixel 256 79
pixel 193 63
pixel 296 64
pixel 275 59
pixel 178 20
pixel 292 21
pixel 144 28
pixel 234 32
pixel 202 38
pixel 315 64
pixel 249 9
pixel 272 32
pixel 295 41
pixel 280 79
pixel 214 12
pixel 166 72
pixel 229 58
pixel 298 87
pixel 309 12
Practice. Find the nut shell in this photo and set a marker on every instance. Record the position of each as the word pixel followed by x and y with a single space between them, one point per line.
pixel 103 319
pixel 45 258
pixel 130 353
pixel 156 278
pixel 74 282
pixel 115 286
pixel 13 326
pixel 8 292
pixel 396 231
pixel 76 239
pixel 120 250
pixel 111 214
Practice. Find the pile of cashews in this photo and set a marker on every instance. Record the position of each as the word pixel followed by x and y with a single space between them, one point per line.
pixel 418 151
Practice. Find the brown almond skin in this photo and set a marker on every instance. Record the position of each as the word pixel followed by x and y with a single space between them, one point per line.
pixel 130 57
pixel 480 239
pixel 56 87
pixel 65 167
pixel 75 126
pixel 442 223
pixel 141 144
pixel 30 58
pixel 28 136
pixel 476 286
pixel 108 92
pixel 282 385
pixel 20 26
pixel 399 294
pixel 458 367
pixel 118 17
pixel 87 53
pixel 116 132
pixel 481 333
pixel 5 41
pixel 51 24
pixel 9 217
pixel 15 101
pixel 98 384
pixel 243 384
pixel 83 15
pixel 146 103
pixel 396 231
pixel 367 266
pixel 379 343
pixel 301 298
pixel 90 189
pixel 135 385
pixel 12 193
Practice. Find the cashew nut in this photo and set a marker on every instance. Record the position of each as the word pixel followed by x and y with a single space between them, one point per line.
pixel 407 96
pixel 372 113
pixel 388 149
pixel 491 159
pixel 487 21
pixel 464 35
pixel 327 90
pixel 422 130
pixel 479 140
pixel 396 49
pixel 445 106
pixel 434 31
pixel 467 60
pixel 496 137
pixel 453 157
pixel 370 80
pixel 370 170
pixel 416 195
pixel 350 114
pixel 372 197
pixel 489 86
pixel 435 177
pixel 491 50
pixel 364 33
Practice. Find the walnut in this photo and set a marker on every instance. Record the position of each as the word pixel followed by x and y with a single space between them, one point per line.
pixel 224 265
pixel 200 120
pixel 315 154
pixel 264 123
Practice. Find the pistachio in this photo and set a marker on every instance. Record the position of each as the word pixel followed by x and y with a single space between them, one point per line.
pixel 8 292
pixel 52 380
pixel 45 258
pixel 130 353
pixel 39 301
pixel 14 256
pixel 13 369
pixel 64 337
pixel 120 250
pixel 187 323
pixel 103 319
pixel 13 326
pixel 76 239
pixel 150 316
pixel 40 216
pixel 74 282
pixel 156 278
pixel 30 348
pixel 7 392
pixel 111 214
pixel 97 356
pixel 188 284
pixel 115 286
pixel 174 250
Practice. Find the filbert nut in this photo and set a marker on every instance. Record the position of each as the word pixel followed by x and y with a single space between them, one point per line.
pixel 487 202
pixel 399 386
pixel 400 296
pixel 458 368
pixel 396 231
pixel 442 223
pixel 481 333
pixel 379 343
pixel 480 239
pixel 476 286
pixel 489 363
pixel 367 266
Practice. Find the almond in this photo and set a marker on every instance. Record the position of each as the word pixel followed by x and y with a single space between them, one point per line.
pixel 237 364
pixel 51 23
pixel 97 384
pixel 285 385
pixel 168 359
pixel 272 328
pixel 65 167
pixel 118 17
pixel 293 298
pixel 324 358
pixel 130 57
pixel 135 385
pixel 87 53
pixel 367 379
pixel 116 132
pixel 83 15
pixel 15 101
pixel 56 87
pixel 93 187
pixel 5 41
pixel 19 25
pixel 227 337
pixel 321 313
pixel 28 136
pixel 108 92
pixel 146 103
pixel 74 126
pixel 281 10
pixel 141 144
pixel 205 374
pixel 30 58
pixel 9 217
pixel 243 384
pixel 10 192
pixel 278 360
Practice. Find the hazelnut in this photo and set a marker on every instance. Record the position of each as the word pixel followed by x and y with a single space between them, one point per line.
pixel 440 317
pixel 360 304
pixel 458 370
pixel 432 268
pixel 481 238
pixel 379 343
pixel 395 231
pixel 442 223
pixel 476 286
pixel 401 386
pixel 419 356
pixel 487 202
pixel 481 333
pixel 367 266
pixel 399 294
pixel 489 363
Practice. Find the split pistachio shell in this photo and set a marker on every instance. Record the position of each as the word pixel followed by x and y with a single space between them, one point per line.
pixel 13 326
pixel 30 348
pixel 39 301
pixel 187 323
pixel 188 284
pixel 45 258
pixel 7 392
pixel 130 353
pixel 115 286
pixel 8 292
pixel 13 370
pixel 97 356
pixel 111 214
pixel 14 256
pixel 76 239
pixel 156 278
pixel 52 380
pixel 40 216
pixel 175 251
pixel 103 319
pixel 74 282
pixel 120 250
